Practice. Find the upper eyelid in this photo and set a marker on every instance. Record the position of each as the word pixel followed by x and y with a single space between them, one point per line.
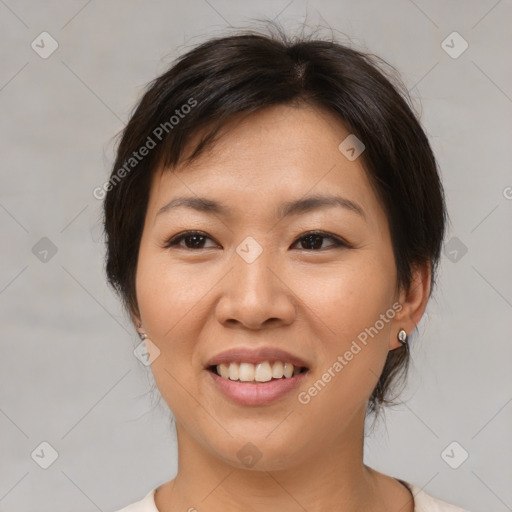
pixel 185 234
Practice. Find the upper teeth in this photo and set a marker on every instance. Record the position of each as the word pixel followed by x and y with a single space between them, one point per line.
pixel 261 372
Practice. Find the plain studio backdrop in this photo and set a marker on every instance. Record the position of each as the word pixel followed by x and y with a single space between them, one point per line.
pixel 79 428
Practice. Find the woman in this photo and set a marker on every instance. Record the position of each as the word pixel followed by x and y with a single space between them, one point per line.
pixel 274 219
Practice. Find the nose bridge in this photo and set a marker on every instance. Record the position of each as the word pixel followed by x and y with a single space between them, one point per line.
pixel 254 293
pixel 252 278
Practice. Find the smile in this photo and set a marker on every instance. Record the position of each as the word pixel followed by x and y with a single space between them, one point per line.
pixel 260 372
pixel 256 384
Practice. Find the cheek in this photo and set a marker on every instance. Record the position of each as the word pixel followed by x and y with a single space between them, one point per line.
pixel 169 304
pixel 351 296
pixel 354 305
pixel 163 296
pixel 166 293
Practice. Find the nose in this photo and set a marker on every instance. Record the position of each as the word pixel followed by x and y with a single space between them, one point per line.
pixel 256 295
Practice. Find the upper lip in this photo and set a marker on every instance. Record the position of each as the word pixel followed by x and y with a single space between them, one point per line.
pixel 256 355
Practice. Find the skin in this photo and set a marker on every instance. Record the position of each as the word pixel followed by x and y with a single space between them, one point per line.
pixel 196 303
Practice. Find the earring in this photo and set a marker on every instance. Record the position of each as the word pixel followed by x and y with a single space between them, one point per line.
pixel 402 337
pixel 142 334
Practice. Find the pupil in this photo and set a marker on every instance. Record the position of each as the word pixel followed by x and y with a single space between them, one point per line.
pixel 197 240
pixel 309 240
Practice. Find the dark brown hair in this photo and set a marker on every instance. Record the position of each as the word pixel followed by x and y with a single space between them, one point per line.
pixel 249 71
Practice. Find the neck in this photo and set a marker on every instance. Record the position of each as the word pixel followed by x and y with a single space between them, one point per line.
pixel 334 479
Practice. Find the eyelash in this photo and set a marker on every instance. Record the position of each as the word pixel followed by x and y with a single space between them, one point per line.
pixel 338 242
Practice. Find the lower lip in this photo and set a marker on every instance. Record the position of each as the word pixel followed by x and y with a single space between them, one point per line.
pixel 256 393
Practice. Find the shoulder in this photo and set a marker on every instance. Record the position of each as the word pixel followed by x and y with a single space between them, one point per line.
pixel 146 504
pixel 424 502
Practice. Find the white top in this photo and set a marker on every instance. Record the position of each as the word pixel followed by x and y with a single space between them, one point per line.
pixel 423 502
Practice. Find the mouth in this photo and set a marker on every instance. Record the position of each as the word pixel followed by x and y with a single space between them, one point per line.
pixel 249 388
pixel 256 376
pixel 262 372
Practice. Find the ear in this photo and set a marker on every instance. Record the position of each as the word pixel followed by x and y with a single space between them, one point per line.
pixel 135 317
pixel 413 301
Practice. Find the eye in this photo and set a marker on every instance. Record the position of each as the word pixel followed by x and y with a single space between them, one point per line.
pixel 192 239
pixel 314 240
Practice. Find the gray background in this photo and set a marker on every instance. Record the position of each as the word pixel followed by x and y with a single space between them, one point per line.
pixel 68 375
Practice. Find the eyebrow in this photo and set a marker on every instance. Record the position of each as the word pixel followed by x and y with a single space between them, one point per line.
pixel 289 208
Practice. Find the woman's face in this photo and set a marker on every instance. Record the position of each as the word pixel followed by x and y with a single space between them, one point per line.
pixel 252 281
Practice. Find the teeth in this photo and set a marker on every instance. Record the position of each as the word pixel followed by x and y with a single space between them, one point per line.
pixel 223 370
pixel 261 372
pixel 233 371
pixel 246 372
pixel 277 370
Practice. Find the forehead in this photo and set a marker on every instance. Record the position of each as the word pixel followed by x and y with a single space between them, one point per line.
pixel 279 153
pixel 282 134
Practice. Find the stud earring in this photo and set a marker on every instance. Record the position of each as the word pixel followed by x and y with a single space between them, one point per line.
pixel 402 337
pixel 142 334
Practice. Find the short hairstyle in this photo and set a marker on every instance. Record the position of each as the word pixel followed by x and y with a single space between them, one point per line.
pixel 247 72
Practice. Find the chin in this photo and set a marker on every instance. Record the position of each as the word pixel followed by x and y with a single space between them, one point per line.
pixel 260 453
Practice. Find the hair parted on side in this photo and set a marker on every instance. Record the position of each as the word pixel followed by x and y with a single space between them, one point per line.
pixel 246 72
